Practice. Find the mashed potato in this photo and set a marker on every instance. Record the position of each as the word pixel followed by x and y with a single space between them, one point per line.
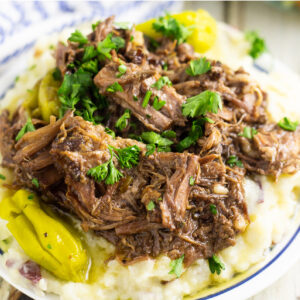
pixel 272 206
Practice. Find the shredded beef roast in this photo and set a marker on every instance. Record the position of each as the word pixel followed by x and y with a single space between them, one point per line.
pixel 197 199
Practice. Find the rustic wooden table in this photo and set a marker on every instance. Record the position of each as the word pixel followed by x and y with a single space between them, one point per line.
pixel 281 30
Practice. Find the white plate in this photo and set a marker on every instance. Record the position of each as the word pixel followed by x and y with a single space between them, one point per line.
pixel 22 23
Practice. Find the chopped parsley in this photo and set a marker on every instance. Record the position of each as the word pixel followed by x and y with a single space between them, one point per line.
pixel 115 87
pixel 109 43
pixel 192 180
pixel 90 66
pixel 94 26
pixel 198 67
pixel 89 53
pixel 30 197
pixel 201 104
pixel 215 265
pixel 106 172
pixel 169 134
pixel 26 128
pixel 258 45
pixel 122 70
pixel 78 37
pixel 158 104
pixel 162 81
pixel 287 124
pixel 176 266
pixel 171 28
pixel 49 246
pixel 135 98
pixel 129 156
pixel 234 161
pixel 151 137
pixel 110 132
pixel 213 209
pixel 122 122
pixel 2 177
pixel 194 134
pixel 146 99
pixel 248 132
pixel 150 149
pixel 150 206
pixel 35 182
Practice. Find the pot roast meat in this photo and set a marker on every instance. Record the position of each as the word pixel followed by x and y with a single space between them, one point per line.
pixel 171 203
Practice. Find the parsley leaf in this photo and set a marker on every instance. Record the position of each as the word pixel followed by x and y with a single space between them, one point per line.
pixel 150 149
pixel 104 47
pixel 110 132
pixel 146 99
pixel 129 156
pixel 150 206
pixel 162 81
pixel 89 53
pixel 90 66
pixel 202 103
pixel 119 42
pixel 198 67
pixel 192 180
pixel 215 265
pixel 78 37
pixel 122 121
pixel 35 182
pixel 2 177
pixel 158 104
pixel 234 161
pixel 213 209
pixel 194 134
pixel 95 25
pixel 287 124
pixel 26 128
pixel 248 132
pixel 151 137
pixel 258 45
pixel 106 171
pixel 122 70
pixel 115 87
pixel 170 134
pixel 176 266
pixel 171 28
pixel 57 74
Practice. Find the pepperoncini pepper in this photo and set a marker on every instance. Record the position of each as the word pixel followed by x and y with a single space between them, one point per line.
pixel 44 238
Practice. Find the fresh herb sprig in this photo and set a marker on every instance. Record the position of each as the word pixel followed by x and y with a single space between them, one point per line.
pixel 122 122
pixel 248 132
pixel 198 67
pixel 26 128
pixel 161 82
pixel 257 44
pixel 234 161
pixel 177 266
pixel 215 265
pixel 173 29
pixel 156 141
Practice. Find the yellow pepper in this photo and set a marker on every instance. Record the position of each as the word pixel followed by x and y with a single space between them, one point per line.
pixel 42 101
pixel 44 238
pixel 204 33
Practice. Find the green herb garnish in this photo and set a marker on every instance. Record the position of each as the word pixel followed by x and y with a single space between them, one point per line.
pixel 151 137
pixel 95 25
pixel 215 265
pixel 2 177
pixel 171 28
pixel 258 45
pixel 108 44
pixel 248 132
pixel 123 25
pixel 169 134
pixel 192 180
pixel 150 206
pixel 57 75
pixel 106 172
pixel 234 161
pixel 287 124
pixel 176 266
pixel 26 128
pixel 49 246
pixel 122 122
pixel 158 104
pixel 78 37
pixel 201 104
pixel 115 87
pixel 89 53
pixel 150 149
pixel 198 67
pixel 110 132
pixel 35 182
pixel 162 81
pixel 146 99
pixel 213 209
pixel 129 156
pixel 30 197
